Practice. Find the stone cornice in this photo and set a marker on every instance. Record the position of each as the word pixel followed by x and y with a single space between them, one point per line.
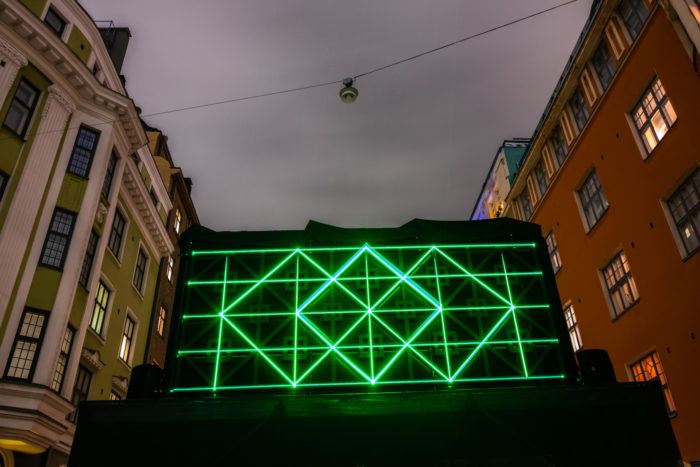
pixel 59 97
pixel 13 54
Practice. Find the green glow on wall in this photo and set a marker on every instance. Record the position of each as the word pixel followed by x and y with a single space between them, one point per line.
pixel 349 316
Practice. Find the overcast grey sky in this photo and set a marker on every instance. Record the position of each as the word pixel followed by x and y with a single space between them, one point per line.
pixel 418 141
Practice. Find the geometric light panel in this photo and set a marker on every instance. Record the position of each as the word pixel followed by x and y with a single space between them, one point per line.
pixel 441 315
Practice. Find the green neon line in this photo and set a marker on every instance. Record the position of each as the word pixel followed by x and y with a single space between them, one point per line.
pixel 334 279
pixel 407 247
pixel 359 347
pixel 259 351
pixel 515 320
pixel 296 323
pixel 493 330
pixel 475 278
pixel 296 383
pixel 369 322
pixel 221 325
pixel 355 278
pixel 249 291
pixel 442 315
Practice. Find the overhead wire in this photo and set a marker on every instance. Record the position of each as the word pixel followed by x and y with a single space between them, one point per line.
pixel 328 83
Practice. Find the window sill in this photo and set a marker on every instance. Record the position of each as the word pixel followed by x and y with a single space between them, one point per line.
pixel 138 292
pixel 625 311
pixel 98 336
pixel 690 255
pixel 50 266
pixel 116 259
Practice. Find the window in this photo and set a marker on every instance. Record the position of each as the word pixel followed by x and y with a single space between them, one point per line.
pixel 579 109
pixel 525 205
pixel 684 205
pixel 160 325
pixel 80 390
pixel 572 325
pixel 140 270
pixel 634 14
pixel 117 233
pixel 558 145
pixel 127 339
pixel 154 198
pixel 169 268
pixel 27 344
pixel 4 179
pixel 178 220
pixel 653 115
pixel 604 65
pixel 109 176
pixel 21 108
pixel 649 369
pixel 541 177
pixel 66 344
pixel 100 309
pixel 113 396
pixel 58 239
pixel 592 199
pixel 55 22
pixel 621 287
pixel 83 151
pixel 553 252
pixel 88 259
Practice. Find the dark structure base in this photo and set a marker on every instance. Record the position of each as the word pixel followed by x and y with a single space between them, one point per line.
pixel 611 424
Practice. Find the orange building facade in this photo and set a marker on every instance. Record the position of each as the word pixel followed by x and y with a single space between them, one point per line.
pixel 612 176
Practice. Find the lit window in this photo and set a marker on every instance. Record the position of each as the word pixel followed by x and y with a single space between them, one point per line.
pixel 634 14
pixel 140 270
pixel 4 179
pixel 653 115
pixel 55 22
pixel 572 326
pixel 160 326
pixel 83 152
pixel 604 65
pixel 21 108
pixel 593 201
pixel 525 204
pixel 80 390
pixel 88 259
pixel 127 340
pixel 169 268
pixel 541 177
pixel 178 220
pixel 579 109
pixel 66 344
pixel 117 233
pixel 684 205
pixel 58 239
pixel 649 369
pixel 113 396
pixel 558 146
pixel 553 252
pixel 100 308
pixel 622 289
pixel 25 349
pixel 109 176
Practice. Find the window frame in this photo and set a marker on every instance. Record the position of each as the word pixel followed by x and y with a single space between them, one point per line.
pixel 38 341
pixel 74 164
pixel 660 377
pixel 169 268
pixel 525 204
pixel 29 109
pixel 140 272
pixel 178 221
pixel 4 182
pixel 553 251
pixel 572 327
pixel 160 320
pixel 55 13
pixel 559 149
pixel 63 355
pixel 601 61
pixel 632 13
pixel 67 237
pixel 88 259
pixel 640 109
pixel 584 204
pixel 109 174
pixel 126 354
pixel 626 280
pixel 124 230
pixel 693 178
pixel 103 309
pixel 579 109
pixel 541 179
pixel 81 392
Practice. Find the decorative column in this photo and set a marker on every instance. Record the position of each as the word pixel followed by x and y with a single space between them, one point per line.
pixel 11 60
pixel 35 179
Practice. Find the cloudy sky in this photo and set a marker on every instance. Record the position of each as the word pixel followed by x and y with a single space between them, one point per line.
pixel 418 141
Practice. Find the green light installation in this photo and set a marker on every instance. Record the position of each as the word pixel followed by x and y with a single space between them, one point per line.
pixel 365 316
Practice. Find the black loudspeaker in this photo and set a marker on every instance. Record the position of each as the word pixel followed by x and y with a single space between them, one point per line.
pixel 595 366
pixel 145 381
